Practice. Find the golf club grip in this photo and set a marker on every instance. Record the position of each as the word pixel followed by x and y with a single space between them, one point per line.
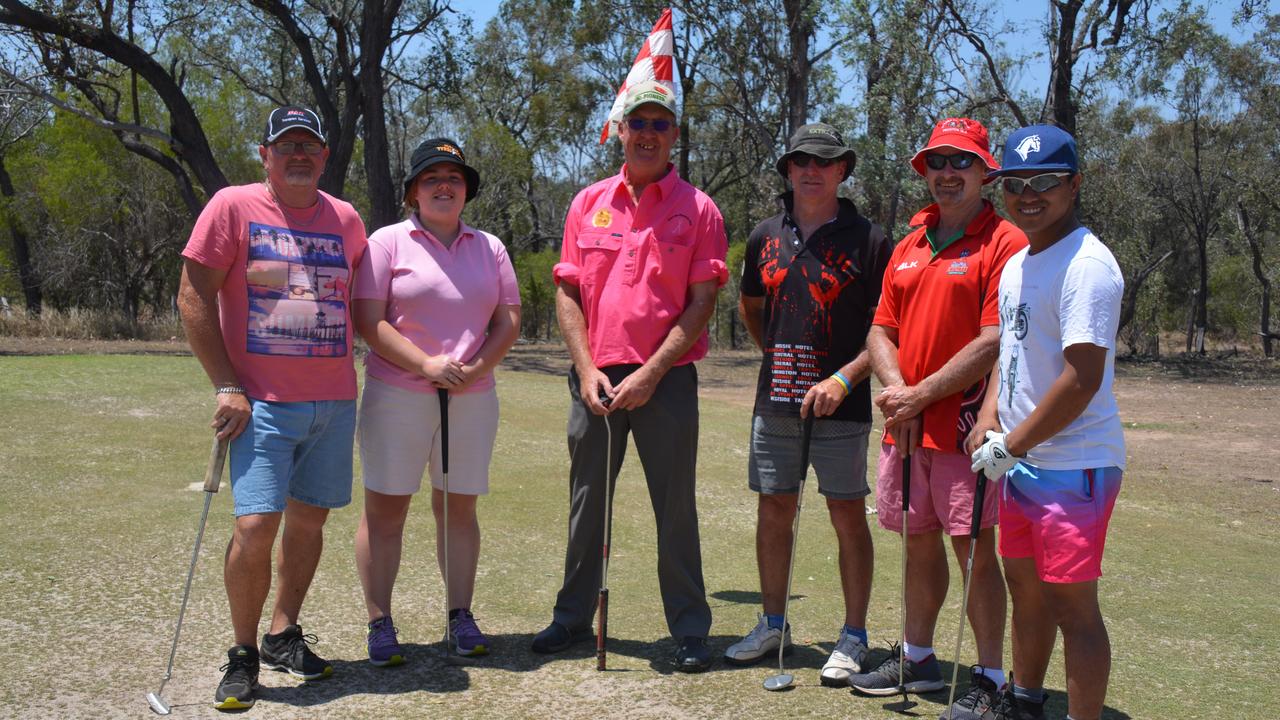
pixel 906 486
pixel 979 496
pixel 806 434
pixel 444 429
pixel 217 459
pixel 602 634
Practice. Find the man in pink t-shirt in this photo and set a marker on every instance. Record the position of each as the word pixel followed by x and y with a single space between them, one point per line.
pixel 642 260
pixel 264 300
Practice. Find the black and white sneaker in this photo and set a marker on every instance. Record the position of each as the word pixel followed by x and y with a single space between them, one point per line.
pixel 289 652
pixel 236 691
pixel 978 702
pixel 1009 707
pixel 917 677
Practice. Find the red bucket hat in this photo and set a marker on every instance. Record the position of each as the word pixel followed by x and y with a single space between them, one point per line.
pixel 961 134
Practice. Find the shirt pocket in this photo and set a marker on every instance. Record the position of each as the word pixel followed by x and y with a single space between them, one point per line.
pixel 598 250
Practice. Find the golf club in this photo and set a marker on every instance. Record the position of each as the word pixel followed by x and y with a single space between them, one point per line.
pixel 979 494
pixel 602 629
pixel 783 679
pixel 906 703
pixel 450 657
pixel 212 479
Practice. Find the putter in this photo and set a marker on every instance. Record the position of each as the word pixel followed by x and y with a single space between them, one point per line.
pixel 906 703
pixel 212 479
pixel 602 628
pixel 450 658
pixel 979 495
pixel 784 679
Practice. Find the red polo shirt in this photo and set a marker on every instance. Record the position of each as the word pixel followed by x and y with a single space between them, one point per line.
pixel 939 303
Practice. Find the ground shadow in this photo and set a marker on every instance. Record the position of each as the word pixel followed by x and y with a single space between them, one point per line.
pixel 1056 706
pixel 745 597
pixel 424 671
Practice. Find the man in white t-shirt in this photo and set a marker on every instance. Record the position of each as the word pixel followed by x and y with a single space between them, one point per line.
pixel 1052 429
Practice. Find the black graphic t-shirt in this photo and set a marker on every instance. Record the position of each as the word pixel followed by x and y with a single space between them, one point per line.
pixel 820 296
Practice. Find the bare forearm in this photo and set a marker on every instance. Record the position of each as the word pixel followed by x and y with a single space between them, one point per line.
pixel 882 351
pixel 750 312
pixel 688 328
pixel 503 331
pixel 964 368
pixel 573 327
pixel 204 335
pixel 857 369
pixel 1062 404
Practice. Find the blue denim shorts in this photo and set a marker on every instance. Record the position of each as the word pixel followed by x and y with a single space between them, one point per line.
pixel 299 450
pixel 837 454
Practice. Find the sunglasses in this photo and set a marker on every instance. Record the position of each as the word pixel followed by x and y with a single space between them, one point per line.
pixel 1040 183
pixel 640 124
pixel 802 161
pixel 286 147
pixel 959 162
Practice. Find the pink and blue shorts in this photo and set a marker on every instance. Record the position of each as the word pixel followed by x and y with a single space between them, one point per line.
pixel 1058 517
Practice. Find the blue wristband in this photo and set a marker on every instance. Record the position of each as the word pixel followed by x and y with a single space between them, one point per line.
pixel 844 381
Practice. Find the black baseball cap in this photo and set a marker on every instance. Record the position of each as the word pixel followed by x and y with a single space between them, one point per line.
pixel 284 119
pixel 438 150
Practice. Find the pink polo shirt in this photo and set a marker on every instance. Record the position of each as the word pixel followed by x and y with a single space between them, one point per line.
pixel 633 264
pixel 441 299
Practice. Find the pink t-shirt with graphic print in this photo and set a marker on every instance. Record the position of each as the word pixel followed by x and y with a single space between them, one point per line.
pixel 284 307
pixel 440 299
pixel 633 264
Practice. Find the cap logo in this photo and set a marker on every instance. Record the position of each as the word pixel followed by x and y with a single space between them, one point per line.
pixel 1029 144
pixel 450 149
pixel 954 125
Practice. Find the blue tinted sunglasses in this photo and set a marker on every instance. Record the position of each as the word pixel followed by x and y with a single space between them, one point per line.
pixel 639 124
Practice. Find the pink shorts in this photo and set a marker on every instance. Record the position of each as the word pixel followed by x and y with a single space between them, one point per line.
pixel 399 438
pixel 1058 517
pixel 942 488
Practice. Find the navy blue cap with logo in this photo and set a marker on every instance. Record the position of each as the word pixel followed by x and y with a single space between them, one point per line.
pixel 283 119
pixel 1045 148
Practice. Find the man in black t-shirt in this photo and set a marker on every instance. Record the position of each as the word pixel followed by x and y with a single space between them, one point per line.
pixel 810 284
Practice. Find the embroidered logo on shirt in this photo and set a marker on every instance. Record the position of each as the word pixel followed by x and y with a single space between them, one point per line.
pixel 958 267
pixel 602 218
pixel 908 265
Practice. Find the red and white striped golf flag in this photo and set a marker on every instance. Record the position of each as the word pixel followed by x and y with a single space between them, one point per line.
pixel 654 62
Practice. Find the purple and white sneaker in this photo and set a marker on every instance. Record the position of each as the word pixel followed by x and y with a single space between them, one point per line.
pixel 467 638
pixel 384 649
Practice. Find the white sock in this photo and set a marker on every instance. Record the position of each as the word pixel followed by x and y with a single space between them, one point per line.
pixel 995 675
pixel 916 653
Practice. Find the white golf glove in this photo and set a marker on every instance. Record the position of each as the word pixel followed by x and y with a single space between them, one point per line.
pixel 993 457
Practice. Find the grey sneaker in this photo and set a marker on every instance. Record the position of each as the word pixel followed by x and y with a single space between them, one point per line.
pixel 848 657
pixel 917 677
pixel 1009 707
pixel 761 642
pixel 978 702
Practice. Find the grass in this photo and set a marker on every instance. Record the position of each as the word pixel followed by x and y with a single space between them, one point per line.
pixel 100 455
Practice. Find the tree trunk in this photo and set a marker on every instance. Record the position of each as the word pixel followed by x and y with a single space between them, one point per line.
pixel 384 201
pixel 800 32
pixel 21 247
pixel 1131 289
pixel 1059 108
pixel 1259 272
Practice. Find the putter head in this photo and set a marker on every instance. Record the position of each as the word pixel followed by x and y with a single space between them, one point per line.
pixel 157 705
pixel 781 681
pixel 902 706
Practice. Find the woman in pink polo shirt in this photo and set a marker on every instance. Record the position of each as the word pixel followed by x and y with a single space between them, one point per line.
pixel 438 303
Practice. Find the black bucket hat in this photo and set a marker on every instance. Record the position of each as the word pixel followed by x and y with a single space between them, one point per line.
pixel 438 150
pixel 819 140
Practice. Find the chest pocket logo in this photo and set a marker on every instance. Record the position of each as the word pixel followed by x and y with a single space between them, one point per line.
pixel 602 219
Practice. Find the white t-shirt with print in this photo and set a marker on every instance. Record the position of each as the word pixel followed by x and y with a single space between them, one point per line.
pixel 1066 294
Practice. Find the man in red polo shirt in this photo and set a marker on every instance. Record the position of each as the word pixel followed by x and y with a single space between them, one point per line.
pixel 642 261
pixel 934 339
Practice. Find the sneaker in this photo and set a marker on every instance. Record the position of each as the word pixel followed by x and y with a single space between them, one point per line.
pixel 467 638
pixel 384 649
pixel 761 642
pixel 978 702
pixel 555 638
pixel 289 651
pixel 693 655
pixel 1009 707
pixel 240 682
pixel 917 677
pixel 848 657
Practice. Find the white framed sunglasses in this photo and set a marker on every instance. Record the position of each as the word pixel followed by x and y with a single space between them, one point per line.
pixel 1040 183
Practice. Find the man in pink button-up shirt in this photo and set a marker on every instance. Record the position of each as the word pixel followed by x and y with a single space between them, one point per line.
pixel 642 260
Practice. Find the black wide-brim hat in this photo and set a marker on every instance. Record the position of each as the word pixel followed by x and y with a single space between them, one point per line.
pixel 438 150
pixel 820 140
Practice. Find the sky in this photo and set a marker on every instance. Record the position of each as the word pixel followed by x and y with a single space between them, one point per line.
pixel 1025 13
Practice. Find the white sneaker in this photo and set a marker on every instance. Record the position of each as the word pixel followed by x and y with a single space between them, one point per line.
pixel 759 643
pixel 846 659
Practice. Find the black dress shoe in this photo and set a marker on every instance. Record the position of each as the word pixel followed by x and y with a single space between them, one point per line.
pixel 693 655
pixel 557 637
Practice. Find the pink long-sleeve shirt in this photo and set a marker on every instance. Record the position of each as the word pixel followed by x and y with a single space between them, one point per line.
pixel 633 263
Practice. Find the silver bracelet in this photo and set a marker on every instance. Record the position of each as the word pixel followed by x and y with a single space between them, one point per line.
pixel 230 390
